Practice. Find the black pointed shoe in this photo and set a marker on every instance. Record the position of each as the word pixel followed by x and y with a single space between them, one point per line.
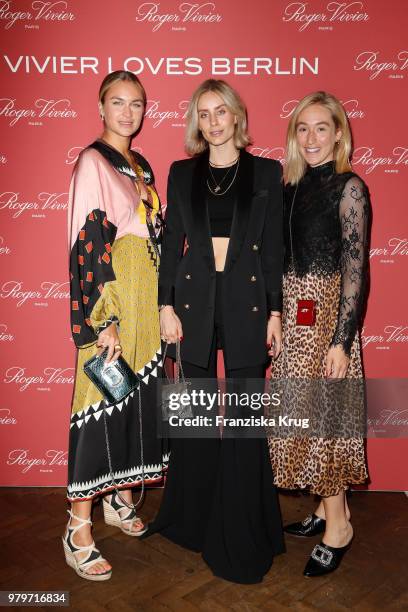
pixel 324 559
pixel 310 526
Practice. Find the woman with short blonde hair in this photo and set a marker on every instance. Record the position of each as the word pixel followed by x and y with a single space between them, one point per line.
pixel 195 141
pixel 222 292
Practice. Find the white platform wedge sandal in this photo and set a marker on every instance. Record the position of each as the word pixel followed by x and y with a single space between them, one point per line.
pixel 115 514
pixel 93 556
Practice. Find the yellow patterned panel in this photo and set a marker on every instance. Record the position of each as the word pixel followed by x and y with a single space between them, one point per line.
pixel 155 202
pixel 135 293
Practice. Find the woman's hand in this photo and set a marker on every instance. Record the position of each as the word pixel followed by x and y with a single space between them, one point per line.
pixel 108 338
pixel 171 329
pixel 337 362
pixel 274 335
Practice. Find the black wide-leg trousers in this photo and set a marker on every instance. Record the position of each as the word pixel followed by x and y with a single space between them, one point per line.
pixel 219 498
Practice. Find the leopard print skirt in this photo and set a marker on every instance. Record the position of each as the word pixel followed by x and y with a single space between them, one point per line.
pixel 330 456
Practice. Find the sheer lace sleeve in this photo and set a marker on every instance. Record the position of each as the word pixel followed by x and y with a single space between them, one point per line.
pixel 354 213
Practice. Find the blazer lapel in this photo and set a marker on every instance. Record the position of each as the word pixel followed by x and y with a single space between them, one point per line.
pixel 242 208
pixel 200 209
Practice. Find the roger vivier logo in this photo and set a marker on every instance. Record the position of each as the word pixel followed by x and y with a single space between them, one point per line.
pixel 19 376
pixel 375 64
pixel 324 14
pixel 41 109
pixel 370 160
pixel 48 290
pixel 159 115
pixel 390 335
pixel 351 106
pixel 396 247
pixel 22 458
pixel 186 12
pixel 12 202
pixel 391 417
pixel 38 11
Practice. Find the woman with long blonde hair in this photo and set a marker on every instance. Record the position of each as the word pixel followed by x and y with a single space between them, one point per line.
pixel 319 372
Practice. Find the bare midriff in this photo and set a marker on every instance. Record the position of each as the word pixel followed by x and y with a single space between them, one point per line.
pixel 220 247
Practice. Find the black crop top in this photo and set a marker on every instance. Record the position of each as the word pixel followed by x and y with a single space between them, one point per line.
pixel 221 208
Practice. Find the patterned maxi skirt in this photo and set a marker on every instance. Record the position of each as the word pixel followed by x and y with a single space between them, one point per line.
pixel 328 456
pixel 88 469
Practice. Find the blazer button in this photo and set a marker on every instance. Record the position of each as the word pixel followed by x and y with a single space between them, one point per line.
pixel 253 278
pixel 255 309
pixel 186 306
pixel 255 247
pixel 188 276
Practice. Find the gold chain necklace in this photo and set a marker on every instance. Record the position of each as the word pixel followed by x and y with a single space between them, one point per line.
pixel 224 165
pixel 217 190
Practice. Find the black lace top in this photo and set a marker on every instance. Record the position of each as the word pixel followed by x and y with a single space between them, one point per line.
pixel 326 232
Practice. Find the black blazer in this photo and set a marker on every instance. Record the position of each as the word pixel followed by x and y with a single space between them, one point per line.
pixel 252 284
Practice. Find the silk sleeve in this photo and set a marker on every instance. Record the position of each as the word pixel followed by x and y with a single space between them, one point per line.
pixel 91 236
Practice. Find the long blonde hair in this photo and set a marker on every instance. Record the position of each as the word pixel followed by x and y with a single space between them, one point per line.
pixel 295 165
pixel 194 141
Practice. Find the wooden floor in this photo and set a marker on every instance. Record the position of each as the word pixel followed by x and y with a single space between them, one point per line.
pixel 157 575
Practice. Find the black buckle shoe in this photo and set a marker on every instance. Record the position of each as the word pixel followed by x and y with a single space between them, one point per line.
pixel 324 559
pixel 310 526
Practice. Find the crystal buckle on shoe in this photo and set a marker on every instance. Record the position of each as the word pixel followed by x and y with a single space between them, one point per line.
pixel 306 521
pixel 325 557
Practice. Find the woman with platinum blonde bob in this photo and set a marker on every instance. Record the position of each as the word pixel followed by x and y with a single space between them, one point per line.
pixel 326 215
pixel 220 287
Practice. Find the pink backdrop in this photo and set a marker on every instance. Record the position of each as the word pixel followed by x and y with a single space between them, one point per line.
pixel 53 58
